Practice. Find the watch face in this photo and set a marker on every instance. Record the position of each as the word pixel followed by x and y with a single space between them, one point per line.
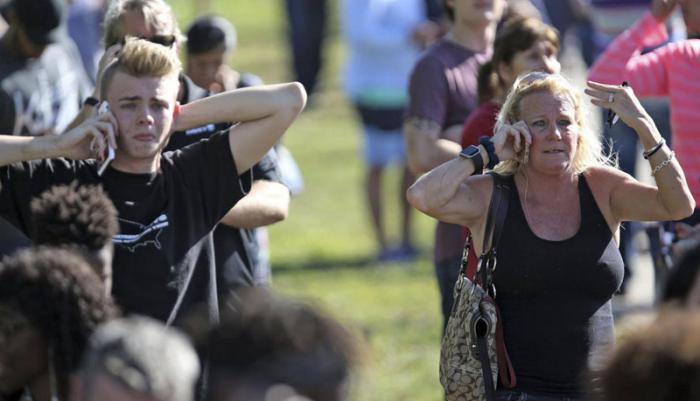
pixel 470 151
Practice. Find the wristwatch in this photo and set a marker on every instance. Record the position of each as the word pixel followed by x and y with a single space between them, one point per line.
pixel 485 141
pixel 473 153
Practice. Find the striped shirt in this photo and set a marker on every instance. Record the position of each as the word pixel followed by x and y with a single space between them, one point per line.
pixel 672 70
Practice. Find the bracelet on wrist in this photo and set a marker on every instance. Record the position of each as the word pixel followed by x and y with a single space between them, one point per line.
pixel 648 153
pixel 663 164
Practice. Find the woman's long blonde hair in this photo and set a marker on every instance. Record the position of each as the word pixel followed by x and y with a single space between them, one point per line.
pixel 588 148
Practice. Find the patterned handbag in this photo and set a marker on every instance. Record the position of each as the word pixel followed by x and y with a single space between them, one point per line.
pixel 472 346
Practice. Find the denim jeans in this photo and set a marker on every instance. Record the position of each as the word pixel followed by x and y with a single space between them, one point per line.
pixel 507 395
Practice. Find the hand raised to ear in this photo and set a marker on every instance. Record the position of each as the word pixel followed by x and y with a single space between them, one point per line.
pixel 89 139
pixel 510 139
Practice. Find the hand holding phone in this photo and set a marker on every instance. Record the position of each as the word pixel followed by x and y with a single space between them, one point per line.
pixel 109 150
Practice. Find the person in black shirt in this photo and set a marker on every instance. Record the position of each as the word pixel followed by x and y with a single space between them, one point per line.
pixel 558 258
pixel 168 203
pixel 235 244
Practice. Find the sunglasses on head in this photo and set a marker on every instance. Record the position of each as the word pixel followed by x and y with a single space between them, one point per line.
pixel 163 40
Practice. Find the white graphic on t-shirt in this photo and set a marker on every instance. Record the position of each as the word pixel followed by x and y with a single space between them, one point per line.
pixel 150 234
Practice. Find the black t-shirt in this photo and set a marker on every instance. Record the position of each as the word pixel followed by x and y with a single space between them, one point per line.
pixel 166 219
pixel 11 239
pixel 237 249
pixel 41 96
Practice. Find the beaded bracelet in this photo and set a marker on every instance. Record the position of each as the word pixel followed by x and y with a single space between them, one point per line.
pixel 663 164
pixel 648 153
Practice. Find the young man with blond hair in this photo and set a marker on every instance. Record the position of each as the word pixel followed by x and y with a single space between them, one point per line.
pixel 168 203
pixel 236 247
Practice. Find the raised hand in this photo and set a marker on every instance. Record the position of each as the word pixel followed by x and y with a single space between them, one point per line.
pixel 509 140
pixel 89 139
pixel 621 100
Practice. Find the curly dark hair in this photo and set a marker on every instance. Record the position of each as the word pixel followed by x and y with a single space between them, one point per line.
pixel 266 339
pixel 681 279
pixel 61 296
pixel 73 214
pixel 660 362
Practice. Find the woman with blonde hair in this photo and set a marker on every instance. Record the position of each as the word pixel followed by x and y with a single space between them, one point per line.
pixel 558 257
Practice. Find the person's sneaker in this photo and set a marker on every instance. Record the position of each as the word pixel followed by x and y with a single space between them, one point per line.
pixel 404 253
pixel 386 255
pixel 408 252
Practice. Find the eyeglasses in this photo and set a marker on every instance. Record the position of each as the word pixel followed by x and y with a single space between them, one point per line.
pixel 163 40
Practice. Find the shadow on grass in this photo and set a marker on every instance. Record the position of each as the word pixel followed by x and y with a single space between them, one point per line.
pixel 360 262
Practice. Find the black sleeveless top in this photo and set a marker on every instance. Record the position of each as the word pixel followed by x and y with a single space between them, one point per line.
pixel 554 298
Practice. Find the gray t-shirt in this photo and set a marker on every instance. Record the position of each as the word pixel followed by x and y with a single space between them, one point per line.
pixel 443 88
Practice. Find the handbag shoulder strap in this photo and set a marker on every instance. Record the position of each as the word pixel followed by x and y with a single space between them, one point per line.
pixel 498 209
pixel 495 220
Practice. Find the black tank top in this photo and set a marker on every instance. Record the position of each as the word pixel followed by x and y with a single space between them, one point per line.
pixel 554 298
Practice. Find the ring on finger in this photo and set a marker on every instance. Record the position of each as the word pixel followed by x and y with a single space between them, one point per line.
pixel 611 97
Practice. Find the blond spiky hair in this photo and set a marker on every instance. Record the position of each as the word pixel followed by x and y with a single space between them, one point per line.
pixel 141 58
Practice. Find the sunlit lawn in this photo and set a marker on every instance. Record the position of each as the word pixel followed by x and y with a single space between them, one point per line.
pixel 323 251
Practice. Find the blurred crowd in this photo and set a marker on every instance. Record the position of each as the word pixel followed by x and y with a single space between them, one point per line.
pixel 135 191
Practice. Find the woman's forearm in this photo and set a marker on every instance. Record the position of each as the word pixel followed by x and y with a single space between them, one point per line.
pixel 431 192
pixel 674 194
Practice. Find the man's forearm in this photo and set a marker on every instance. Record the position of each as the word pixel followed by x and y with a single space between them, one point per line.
pixel 427 147
pixel 267 203
pixel 263 114
pixel 15 149
pixel 241 105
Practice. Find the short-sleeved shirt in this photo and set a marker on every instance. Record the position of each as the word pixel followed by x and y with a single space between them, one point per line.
pixel 237 249
pixel 166 219
pixel 443 88
pixel 443 85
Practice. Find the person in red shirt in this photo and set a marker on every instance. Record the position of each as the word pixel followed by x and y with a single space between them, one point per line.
pixel 523 45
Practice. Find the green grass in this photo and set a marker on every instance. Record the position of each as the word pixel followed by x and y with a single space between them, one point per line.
pixel 322 252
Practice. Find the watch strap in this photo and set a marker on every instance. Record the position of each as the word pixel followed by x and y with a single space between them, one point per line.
pixel 485 141
pixel 473 153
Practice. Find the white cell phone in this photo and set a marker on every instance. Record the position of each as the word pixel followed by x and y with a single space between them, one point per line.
pixel 104 108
